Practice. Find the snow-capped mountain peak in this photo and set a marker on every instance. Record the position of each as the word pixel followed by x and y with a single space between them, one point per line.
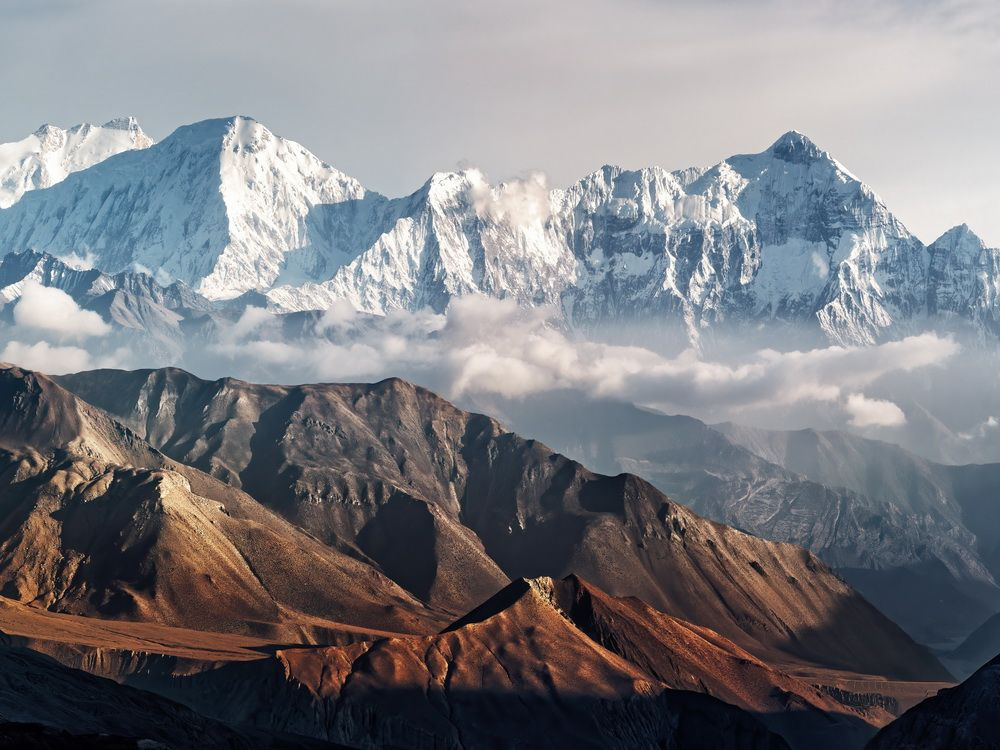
pixel 223 205
pixel 795 147
pixel 787 234
pixel 128 122
pixel 964 279
pixel 51 153
pixel 960 239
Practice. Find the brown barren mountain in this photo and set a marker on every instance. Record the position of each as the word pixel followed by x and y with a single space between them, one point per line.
pixel 349 514
pixel 450 505
pixel 518 672
pixel 94 521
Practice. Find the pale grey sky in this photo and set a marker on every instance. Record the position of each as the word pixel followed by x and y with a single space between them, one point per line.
pixel 907 96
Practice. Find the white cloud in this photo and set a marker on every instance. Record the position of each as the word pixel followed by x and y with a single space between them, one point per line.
pixel 873 412
pixel 522 202
pixel 484 346
pixel 821 264
pixel 51 310
pixel 250 321
pixel 44 357
pixel 981 430
pixel 80 261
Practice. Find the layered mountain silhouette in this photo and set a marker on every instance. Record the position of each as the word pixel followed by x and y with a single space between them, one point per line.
pixel 390 467
pixel 209 542
pixel 903 530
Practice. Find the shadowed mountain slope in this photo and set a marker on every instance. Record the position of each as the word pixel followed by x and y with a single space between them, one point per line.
pixel 35 689
pixel 900 529
pixel 377 467
pixel 966 717
pixel 687 657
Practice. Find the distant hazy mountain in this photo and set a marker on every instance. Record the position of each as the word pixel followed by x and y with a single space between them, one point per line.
pixel 917 538
pixel 789 235
pixel 161 319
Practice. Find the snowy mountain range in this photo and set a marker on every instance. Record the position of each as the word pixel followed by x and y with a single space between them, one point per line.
pixel 51 153
pixel 227 208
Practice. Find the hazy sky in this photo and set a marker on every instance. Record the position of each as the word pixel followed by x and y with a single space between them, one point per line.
pixel 907 96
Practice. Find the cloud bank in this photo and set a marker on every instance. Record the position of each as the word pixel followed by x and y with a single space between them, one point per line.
pixel 45 357
pixel 484 346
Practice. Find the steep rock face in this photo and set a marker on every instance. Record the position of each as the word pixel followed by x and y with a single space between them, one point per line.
pixel 374 465
pixel 515 672
pixel 51 153
pixel 894 479
pixel 786 234
pixel 963 279
pixel 456 235
pixel 959 718
pixel 39 416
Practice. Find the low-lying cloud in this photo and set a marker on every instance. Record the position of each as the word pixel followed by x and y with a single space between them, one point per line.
pixel 46 357
pixel 52 311
pixel 873 412
pixel 484 346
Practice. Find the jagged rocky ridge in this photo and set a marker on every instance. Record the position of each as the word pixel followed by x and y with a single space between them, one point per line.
pixel 229 208
pixel 548 638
